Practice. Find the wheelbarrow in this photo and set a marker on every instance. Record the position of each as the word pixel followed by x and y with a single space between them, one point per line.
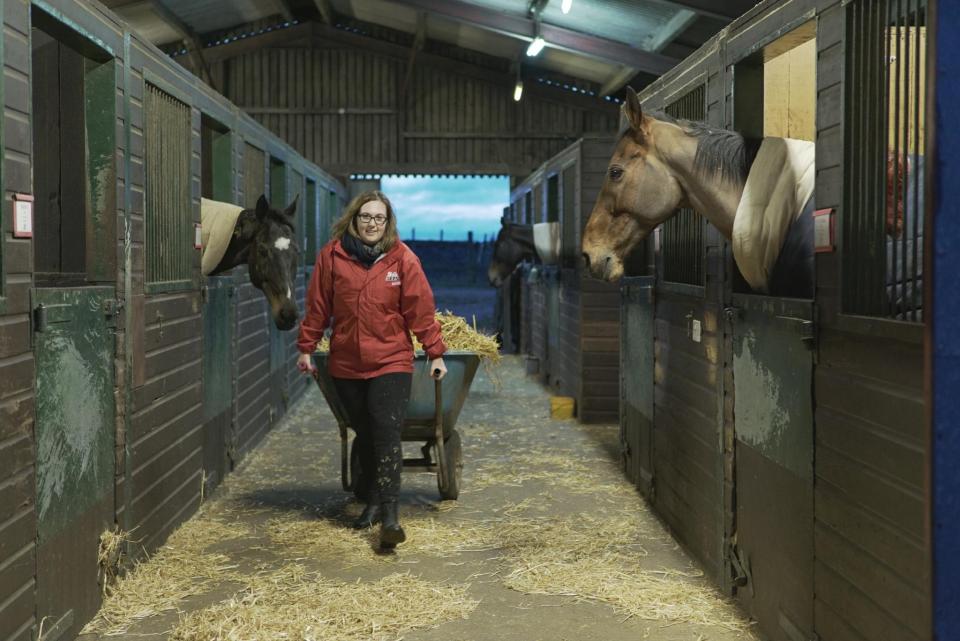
pixel 431 418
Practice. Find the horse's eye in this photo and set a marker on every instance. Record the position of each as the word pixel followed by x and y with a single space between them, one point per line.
pixel 616 173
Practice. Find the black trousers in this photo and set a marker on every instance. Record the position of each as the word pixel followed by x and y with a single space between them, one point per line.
pixel 376 408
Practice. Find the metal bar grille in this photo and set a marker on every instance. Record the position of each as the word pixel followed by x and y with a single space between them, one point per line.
pixel 883 205
pixel 682 248
pixel 167 171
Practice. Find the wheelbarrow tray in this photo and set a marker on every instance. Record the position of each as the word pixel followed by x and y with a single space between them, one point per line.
pixel 431 417
pixel 421 410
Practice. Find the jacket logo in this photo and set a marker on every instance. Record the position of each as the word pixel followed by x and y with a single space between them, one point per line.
pixel 393 277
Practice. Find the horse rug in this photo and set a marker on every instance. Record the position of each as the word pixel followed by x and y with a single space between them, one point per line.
pixel 217 222
pixel 777 194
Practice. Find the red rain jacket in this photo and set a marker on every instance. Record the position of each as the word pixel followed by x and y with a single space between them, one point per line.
pixel 373 312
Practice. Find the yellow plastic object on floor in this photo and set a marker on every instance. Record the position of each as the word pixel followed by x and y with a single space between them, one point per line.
pixel 561 407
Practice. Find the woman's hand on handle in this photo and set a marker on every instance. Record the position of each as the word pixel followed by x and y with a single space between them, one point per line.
pixel 305 364
pixel 438 368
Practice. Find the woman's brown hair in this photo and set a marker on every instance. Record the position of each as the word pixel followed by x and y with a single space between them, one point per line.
pixel 346 224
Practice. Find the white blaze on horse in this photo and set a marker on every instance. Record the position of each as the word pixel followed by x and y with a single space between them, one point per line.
pixel 758 194
pixel 263 239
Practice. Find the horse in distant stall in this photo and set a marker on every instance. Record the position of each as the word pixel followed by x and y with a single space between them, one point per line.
pixel 263 239
pixel 661 164
pixel 514 244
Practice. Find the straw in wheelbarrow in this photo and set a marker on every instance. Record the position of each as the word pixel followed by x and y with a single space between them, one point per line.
pixel 458 335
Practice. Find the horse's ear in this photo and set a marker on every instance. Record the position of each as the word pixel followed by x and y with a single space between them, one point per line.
pixel 263 207
pixel 291 209
pixel 633 111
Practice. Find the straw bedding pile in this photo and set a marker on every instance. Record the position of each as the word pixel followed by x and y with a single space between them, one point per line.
pixel 182 568
pixel 292 603
pixel 458 335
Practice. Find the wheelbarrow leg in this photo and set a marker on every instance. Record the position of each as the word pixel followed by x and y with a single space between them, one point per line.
pixel 344 450
pixel 438 425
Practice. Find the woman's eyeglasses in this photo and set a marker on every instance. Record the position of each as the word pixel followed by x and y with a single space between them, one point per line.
pixel 379 219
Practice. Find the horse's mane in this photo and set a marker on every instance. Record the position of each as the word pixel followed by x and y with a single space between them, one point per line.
pixel 719 151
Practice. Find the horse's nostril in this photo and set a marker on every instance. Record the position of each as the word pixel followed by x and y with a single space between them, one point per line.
pixel 586 260
pixel 606 263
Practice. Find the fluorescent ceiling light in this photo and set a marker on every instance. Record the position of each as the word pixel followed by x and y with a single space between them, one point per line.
pixel 518 91
pixel 536 46
pixel 565 6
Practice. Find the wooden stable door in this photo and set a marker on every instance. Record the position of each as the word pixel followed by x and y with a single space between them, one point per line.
pixel 74 319
pixel 772 555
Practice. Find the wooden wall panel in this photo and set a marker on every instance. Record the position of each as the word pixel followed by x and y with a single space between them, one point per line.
pixel 18 531
pixel 340 106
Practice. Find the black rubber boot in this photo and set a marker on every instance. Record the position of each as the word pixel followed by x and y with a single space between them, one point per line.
pixel 368 518
pixel 390 531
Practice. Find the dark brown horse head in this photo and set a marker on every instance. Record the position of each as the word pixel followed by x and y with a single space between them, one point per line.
pixel 640 191
pixel 514 243
pixel 273 257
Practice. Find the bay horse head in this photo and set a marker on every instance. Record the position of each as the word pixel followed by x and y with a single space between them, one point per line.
pixel 263 239
pixel 514 244
pixel 660 164
pixel 273 258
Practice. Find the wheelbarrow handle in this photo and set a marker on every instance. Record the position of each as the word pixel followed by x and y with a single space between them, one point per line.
pixel 438 425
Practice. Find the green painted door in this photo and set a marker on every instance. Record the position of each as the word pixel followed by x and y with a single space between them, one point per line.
pixel 219 319
pixel 636 381
pixel 773 409
pixel 75 430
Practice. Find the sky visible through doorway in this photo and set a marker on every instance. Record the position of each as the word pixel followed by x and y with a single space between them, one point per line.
pixel 427 205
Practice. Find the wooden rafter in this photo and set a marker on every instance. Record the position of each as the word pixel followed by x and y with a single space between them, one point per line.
pixel 323 8
pixel 524 28
pixel 190 39
pixel 417 46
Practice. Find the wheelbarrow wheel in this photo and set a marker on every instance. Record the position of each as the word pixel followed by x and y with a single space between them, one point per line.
pixel 453 455
pixel 358 481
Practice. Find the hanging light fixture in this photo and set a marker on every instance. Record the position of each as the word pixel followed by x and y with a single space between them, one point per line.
pixel 538 42
pixel 518 87
pixel 565 6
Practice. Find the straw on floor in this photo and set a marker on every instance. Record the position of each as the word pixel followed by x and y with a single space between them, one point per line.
pixel 292 603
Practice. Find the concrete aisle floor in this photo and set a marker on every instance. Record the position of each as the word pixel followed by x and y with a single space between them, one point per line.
pixel 524 474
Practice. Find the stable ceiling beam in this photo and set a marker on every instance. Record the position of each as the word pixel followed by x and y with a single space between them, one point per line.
pixel 286 10
pixel 190 38
pixel 323 8
pixel 556 37
pixel 419 39
pixel 616 83
pixel 725 10
pixel 673 28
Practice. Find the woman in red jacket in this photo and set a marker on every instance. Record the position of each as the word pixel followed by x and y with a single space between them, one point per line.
pixel 374 289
